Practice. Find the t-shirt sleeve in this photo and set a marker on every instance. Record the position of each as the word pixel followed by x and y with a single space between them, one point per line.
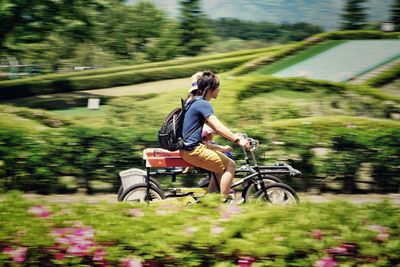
pixel 205 109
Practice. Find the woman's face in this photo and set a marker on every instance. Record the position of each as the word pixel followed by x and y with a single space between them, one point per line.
pixel 215 93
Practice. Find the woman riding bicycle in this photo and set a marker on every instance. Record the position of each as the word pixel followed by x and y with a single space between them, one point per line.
pixel 198 113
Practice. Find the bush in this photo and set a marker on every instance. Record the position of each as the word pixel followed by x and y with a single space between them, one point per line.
pixel 36 161
pixel 385 77
pixel 206 234
pixel 349 142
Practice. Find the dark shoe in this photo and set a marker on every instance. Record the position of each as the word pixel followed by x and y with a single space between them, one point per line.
pixel 234 201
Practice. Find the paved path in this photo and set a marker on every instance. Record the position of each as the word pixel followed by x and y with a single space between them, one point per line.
pixel 304 197
pixel 143 88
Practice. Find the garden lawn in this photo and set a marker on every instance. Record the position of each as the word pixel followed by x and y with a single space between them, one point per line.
pixel 298 57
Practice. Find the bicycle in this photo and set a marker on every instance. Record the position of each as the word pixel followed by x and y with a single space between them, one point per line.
pixel 259 183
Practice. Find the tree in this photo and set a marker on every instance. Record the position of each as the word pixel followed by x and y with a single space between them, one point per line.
pixel 126 29
pixel 195 34
pixel 32 21
pixel 354 16
pixel 395 14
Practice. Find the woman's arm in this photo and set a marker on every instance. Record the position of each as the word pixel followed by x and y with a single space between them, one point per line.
pixel 221 129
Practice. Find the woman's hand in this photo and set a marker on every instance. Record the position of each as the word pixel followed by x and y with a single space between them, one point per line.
pixel 243 142
pixel 226 149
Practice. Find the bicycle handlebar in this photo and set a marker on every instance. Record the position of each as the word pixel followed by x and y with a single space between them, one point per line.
pixel 254 143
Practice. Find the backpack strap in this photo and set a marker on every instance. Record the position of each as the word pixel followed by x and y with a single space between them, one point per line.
pixel 185 107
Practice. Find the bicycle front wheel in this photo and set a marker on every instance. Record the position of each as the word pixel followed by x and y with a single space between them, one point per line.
pixel 137 193
pixel 277 194
pixel 250 190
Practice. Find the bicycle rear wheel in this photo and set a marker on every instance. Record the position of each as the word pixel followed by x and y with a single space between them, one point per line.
pixel 278 194
pixel 121 190
pixel 137 193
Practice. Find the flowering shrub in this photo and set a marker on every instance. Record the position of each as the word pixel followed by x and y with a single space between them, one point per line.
pixel 205 234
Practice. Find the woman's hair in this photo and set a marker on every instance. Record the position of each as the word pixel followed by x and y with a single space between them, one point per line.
pixel 207 81
pixel 202 82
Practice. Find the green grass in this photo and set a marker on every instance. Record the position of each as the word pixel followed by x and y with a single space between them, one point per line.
pixel 13 121
pixel 298 57
pixel 82 111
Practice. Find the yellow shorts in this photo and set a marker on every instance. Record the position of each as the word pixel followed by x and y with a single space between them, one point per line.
pixel 206 158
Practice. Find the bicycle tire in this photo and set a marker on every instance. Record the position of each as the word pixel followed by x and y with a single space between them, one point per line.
pixel 250 190
pixel 153 181
pixel 278 194
pixel 137 193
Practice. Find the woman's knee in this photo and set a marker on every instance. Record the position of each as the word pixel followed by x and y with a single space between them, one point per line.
pixel 231 165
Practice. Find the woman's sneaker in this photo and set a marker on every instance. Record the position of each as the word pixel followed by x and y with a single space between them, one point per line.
pixel 234 201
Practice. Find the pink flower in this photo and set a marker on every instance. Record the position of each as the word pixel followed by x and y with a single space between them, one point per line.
pixel 39 211
pixel 382 237
pixel 377 228
pixel 245 261
pixel 166 209
pixel 59 256
pixel 18 254
pixel 326 262
pixel 229 210
pixel 99 254
pixel 317 234
pixel 78 250
pixel 60 231
pixel 136 213
pixel 129 262
pixel 383 232
pixel 216 229
pixel 337 251
pixel 190 230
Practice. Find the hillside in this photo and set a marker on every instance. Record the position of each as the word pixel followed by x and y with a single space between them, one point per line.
pixel 324 13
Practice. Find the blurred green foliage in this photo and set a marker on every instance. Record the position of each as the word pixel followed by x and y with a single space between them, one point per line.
pixel 385 77
pixel 206 234
pixel 58 35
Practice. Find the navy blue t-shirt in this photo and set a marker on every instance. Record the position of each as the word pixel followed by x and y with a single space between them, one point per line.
pixel 194 120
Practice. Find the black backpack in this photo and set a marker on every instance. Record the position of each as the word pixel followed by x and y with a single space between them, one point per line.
pixel 170 133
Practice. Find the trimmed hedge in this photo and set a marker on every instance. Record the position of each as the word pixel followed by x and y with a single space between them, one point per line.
pixel 42 116
pixel 385 77
pixel 348 143
pixel 36 161
pixel 263 84
pixel 205 234
pixel 299 46
pixel 63 82
pixel 21 88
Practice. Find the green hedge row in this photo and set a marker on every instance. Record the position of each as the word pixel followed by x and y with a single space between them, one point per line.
pixel 355 35
pixel 385 77
pixel 40 161
pixel 41 116
pixel 205 234
pixel 169 63
pixel 338 148
pixel 254 85
pixel 335 35
pixel 47 86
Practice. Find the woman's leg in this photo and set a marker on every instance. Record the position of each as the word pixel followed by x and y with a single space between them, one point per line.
pixel 212 186
pixel 213 161
pixel 227 178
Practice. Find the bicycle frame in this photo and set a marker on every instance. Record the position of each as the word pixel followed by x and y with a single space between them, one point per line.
pixel 254 174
